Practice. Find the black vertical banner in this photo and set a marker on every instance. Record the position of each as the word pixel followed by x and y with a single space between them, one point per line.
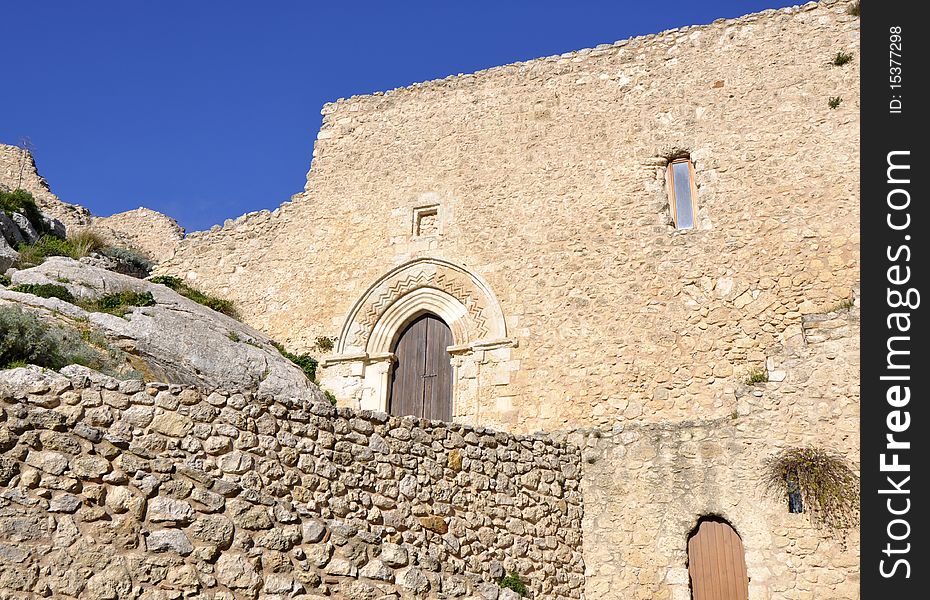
pixel 894 226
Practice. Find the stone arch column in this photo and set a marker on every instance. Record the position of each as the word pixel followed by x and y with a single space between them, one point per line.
pixel 360 368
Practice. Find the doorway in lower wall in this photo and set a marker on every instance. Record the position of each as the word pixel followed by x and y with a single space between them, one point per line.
pixel 421 377
pixel 717 561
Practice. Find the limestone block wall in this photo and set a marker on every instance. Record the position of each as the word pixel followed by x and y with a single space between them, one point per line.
pixel 128 490
pixel 547 181
pixel 646 485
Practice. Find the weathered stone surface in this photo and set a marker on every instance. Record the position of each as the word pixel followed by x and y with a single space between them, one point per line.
pixel 161 509
pixel 236 572
pixel 376 569
pixel 112 583
pixel 213 528
pixel 9 232
pixel 169 540
pixel 30 235
pixel 8 255
pixel 394 555
pixel 413 580
pixel 172 424
pixel 122 499
pixel 32 379
pixel 66 503
pixel 180 341
pixel 90 467
pixel 54 463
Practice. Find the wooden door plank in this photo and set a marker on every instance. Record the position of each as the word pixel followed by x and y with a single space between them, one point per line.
pixel 717 563
pixel 407 383
pixel 439 371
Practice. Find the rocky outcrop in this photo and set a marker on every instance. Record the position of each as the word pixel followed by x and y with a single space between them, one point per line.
pixel 8 255
pixel 146 231
pixel 178 340
pixel 18 172
pixel 122 490
pixel 22 223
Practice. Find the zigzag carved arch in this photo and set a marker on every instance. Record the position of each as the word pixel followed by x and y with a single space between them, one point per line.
pixel 461 298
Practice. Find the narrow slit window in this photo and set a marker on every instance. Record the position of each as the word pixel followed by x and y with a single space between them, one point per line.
pixel 682 193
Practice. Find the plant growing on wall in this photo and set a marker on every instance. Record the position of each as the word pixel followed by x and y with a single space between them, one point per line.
pixel 512 581
pixel 307 363
pixel 827 486
pixel 325 343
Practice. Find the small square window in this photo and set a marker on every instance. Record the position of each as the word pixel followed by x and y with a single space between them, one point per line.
pixel 426 220
pixel 682 193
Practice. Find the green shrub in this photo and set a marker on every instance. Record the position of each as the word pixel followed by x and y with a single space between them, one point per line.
pixel 119 303
pixel 512 581
pixel 136 262
pixel 22 202
pixel 31 255
pixel 325 343
pixel 829 488
pixel 45 290
pixel 841 59
pixel 757 376
pixel 855 8
pixel 175 283
pixel 25 339
pixel 84 242
pixel 330 396
pixel 835 101
pixel 170 281
pixel 4 280
pixel 307 363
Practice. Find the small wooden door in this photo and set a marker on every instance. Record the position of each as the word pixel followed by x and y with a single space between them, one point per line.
pixel 716 563
pixel 421 382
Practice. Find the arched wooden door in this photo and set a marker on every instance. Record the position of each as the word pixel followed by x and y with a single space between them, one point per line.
pixel 717 563
pixel 421 382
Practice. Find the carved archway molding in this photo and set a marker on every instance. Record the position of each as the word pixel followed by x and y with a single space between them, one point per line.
pixel 456 295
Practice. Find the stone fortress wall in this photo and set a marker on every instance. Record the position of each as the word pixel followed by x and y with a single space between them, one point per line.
pixel 531 198
pixel 645 485
pixel 128 490
pixel 547 182
pixel 124 490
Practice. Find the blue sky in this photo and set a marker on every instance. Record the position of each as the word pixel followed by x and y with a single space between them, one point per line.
pixel 205 110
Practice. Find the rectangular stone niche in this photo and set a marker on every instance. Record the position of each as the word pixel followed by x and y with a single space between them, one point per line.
pixel 426 220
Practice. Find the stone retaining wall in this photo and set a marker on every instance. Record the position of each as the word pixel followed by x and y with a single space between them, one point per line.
pixel 129 490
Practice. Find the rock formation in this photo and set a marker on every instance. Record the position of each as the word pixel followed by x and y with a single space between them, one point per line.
pixel 177 340
pixel 146 231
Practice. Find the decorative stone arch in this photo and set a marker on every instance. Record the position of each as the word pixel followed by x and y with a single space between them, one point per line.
pixel 462 299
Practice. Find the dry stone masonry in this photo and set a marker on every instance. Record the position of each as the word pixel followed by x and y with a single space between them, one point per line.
pixel 118 489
